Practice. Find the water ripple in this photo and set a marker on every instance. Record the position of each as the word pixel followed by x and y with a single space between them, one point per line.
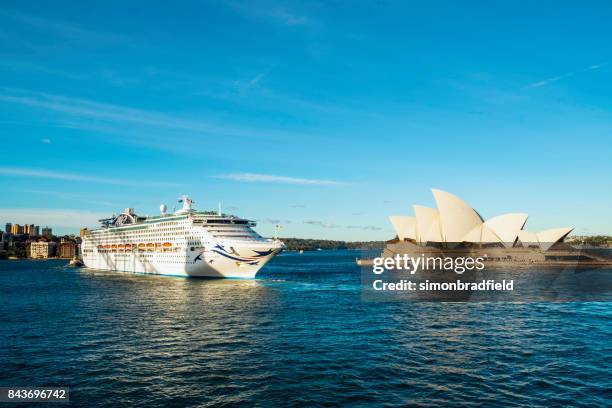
pixel 301 335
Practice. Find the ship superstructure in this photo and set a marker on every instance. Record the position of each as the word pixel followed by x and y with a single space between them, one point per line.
pixel 184 243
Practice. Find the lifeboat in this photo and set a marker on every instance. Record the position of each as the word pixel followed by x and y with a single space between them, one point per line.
pixel 128 247
pixel 113 246
pixel 120 246
pixel 100 247
pixel 167 245
pixel 150 247
pixel 106 246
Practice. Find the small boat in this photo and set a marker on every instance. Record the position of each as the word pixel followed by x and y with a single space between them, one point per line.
pixel 76 263
pixel 364 262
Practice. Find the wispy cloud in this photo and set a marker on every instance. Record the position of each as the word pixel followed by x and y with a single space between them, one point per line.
pixel 365 227
pixel 321 224
pixel 548 81
pixel 96 110
pixel 268 11
pixel 46 140
pixel 115 115
pixel 64 29
pixel 50 174
pixel 270 221
pixel 297 206
pixel 330 225
pixel 54 218
pixel 269 178
pixel 596 66
pixel 80 197
pixel 288 18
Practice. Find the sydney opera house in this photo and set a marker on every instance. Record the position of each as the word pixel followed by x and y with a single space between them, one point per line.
pixel 455 222
pixel 454 228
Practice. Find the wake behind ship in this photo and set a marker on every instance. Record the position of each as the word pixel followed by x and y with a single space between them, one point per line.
pixel 184 243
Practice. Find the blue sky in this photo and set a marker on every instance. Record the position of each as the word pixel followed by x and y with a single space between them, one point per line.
pixel 325 117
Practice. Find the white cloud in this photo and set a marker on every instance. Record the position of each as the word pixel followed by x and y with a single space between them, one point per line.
pixel 321 224
pixel 269 178
pixel 268 11
pixel 46 140
pixel 70 32
pixel 74 219
pixel 78 197
pixel 596 66
pixel 365 227
pixel 547 81
pixel 288 18
pixel 270 221
pixel 109 113
pixel 50 174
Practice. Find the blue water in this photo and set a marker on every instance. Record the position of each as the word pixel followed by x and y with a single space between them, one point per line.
pixel 299 335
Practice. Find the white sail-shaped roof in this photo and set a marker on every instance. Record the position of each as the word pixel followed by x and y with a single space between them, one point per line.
pixel 489 236
pixel 475 235
pixel 549 237
pixel 405 227
pixel 507 226
pixel 482 234
pixel 457 218
pixel 455 221
pixel 528 238
pixel 428 224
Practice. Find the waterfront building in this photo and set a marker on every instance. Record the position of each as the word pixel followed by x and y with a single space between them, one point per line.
pixel 8 227
pixel 67 249
pixel 47 232
pixel 42 249
pixel 17 229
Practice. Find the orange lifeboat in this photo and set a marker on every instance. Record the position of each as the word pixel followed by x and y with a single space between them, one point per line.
pixel 150 247
pixel 128 247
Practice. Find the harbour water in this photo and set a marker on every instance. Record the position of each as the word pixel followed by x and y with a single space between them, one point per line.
pixel 300 334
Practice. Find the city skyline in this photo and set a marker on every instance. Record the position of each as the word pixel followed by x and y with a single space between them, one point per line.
pixel 26 229
pixel 324 118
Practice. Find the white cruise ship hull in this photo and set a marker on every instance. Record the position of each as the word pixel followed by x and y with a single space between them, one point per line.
pixel 237 260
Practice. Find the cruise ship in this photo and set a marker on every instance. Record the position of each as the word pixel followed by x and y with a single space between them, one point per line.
pixel 184 243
